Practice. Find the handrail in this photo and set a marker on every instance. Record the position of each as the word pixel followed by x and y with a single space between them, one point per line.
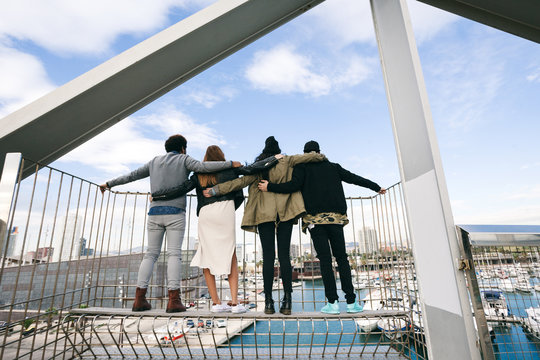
pixel 502 235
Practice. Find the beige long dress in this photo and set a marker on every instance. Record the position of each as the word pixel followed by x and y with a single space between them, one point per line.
pixel 217 237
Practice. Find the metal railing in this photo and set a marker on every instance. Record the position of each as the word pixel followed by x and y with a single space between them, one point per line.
pixel 69 249
pixel 232 335
pixel 502 265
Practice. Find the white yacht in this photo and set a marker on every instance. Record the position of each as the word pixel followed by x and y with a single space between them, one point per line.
pixel 372 301
pixel 392 328
pixel 523 285
pixel 531 323
pixel 494 303
pixel 360 285
pixel 537 287
pixel 506 285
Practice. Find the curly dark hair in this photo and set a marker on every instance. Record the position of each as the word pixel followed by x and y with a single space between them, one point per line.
pixel 176 143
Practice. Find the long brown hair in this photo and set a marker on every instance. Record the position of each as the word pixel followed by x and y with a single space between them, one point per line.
pixel 213 153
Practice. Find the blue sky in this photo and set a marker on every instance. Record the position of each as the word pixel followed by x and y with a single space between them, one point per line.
pixel 318 77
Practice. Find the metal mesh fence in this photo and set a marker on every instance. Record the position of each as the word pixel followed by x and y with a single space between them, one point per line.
pixel 509 282
pixel 68 247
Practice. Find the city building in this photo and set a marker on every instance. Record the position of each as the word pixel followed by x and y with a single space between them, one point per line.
pixel 10 251
pixel 84 250
pixel 66 237
pixel 239 252
pixel 295 251
pixel 367 241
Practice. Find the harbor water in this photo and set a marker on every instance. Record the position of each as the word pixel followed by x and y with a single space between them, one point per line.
pixel 509 340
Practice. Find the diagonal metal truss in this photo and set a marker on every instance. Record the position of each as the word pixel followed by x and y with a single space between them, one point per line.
pixel 115 89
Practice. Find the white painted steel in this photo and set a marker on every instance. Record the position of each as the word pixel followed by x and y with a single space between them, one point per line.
pixel 8 181
pixel 448 321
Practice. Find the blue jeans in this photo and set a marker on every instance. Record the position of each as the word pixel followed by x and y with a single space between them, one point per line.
pixel 174 225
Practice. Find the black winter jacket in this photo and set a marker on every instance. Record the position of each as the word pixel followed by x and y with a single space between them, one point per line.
pixel 321 186
pixel 221 177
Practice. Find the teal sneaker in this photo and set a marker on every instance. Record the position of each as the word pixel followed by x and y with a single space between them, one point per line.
pixel 331 308
pixel 355 307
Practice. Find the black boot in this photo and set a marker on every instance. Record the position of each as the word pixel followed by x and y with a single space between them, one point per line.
pixel 269 306
pixel 286 304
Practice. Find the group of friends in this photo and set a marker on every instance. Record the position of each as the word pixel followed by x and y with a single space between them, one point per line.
pixel 282 190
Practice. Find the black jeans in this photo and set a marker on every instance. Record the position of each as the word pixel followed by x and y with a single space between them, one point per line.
pixel 267 234
pixel 324 237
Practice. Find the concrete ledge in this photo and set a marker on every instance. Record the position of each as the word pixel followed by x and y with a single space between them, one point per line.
pixel 249 315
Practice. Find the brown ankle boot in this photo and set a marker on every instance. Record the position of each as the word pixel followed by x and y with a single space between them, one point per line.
pixel 140 303
pixel 175 304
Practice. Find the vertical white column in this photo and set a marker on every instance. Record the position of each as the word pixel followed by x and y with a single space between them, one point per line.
pixel 8 180
pixel 443 295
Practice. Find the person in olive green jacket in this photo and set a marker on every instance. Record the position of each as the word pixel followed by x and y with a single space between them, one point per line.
pixel 269 213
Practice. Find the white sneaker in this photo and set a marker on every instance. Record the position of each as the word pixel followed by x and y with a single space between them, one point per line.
pixel 219 308
pixel 238 309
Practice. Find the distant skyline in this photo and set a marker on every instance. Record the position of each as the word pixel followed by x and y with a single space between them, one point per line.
pixel 318 77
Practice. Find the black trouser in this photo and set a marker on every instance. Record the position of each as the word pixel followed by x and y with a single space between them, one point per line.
pixel 267 234
pixel 324 237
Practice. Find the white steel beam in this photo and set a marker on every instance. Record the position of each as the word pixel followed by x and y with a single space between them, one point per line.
pixel 8 183
pixel 77 111
pixel 443 295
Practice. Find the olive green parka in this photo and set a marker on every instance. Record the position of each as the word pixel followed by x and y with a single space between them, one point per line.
pixel 264 207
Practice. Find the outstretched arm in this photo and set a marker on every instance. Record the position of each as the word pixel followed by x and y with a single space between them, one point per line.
pixel 351 178
pixel 140 173
pixel 177 191
pixel 209 166
pixel 291 186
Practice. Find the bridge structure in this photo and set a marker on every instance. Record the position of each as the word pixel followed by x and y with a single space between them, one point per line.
pixel 110 92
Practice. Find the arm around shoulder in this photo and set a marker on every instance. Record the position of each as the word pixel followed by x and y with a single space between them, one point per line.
pixel 305 158
pixel 258 166
pixel 236 184
pixel 291 186
pixel 206 166
pixel 177 191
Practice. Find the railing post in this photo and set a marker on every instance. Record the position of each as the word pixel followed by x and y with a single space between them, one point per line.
pixel 484 336
pixel 448 322
pixel 8 180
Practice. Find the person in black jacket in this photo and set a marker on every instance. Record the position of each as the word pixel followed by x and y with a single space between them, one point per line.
pixel 216 253
pixel 324 199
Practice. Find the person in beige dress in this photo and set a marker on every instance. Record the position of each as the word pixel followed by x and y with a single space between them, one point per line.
pixel 272 216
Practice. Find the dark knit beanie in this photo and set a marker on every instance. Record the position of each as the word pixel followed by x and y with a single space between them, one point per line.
pixel 271 146
pixel 311 146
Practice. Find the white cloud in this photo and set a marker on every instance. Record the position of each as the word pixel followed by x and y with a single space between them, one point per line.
pixel 534 76
pixel 284 70
pixel 138 139
pixel 428 21
pixel 23 79
pixel 529 166
pixel 281 70
pixel 529 193
pixel 209 99
pixel 346 22
pixel 84 27
pixel 511 215
pixel 466 78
